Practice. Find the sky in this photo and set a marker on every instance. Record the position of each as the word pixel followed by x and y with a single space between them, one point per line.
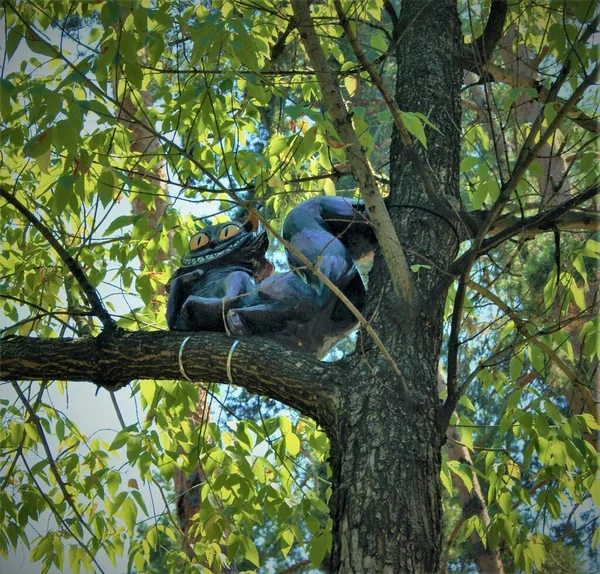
pixel 94 414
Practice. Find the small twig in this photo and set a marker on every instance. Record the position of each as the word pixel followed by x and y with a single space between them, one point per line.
pixel 58 515
pixel 451 540
pixel 443 208
pixel 154 481
pixel 534 339
pixel 385 231
pixel 63 488
pixel 92 296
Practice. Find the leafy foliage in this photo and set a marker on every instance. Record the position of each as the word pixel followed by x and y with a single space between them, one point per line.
pixel 213 104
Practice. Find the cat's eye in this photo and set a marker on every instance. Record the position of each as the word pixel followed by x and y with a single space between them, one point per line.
pixel 199 240
pixel 228 231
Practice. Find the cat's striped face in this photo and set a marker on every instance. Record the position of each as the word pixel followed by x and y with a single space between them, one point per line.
pixel 231 241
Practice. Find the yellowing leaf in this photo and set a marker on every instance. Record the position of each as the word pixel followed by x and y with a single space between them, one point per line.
pixel 329 187
pixel 292 444
pixel 578 296
pixel 351 84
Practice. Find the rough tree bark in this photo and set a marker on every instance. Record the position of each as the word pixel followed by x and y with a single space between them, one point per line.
pixel 386 430
pixel 386 504
pixel 385 441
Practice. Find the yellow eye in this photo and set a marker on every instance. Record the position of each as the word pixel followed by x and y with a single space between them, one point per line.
pixel 228 231
pixel 198 240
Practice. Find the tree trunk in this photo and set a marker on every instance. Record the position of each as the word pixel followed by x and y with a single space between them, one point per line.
pixel 386 502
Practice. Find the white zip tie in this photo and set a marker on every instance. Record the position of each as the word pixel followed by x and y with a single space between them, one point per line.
pixel 229 360
pixel 181 359
pixel 229 356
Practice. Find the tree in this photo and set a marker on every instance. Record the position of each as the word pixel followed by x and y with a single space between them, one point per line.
pixel 492 117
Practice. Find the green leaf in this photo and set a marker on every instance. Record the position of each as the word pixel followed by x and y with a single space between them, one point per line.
pixel 378 42
pixel 596 536
pixel 553 412
pixel 107 186
pixel 37 45
pixel 578 296
pixel 319 546
pixel 446 477
pixel 120 222
pixel 479 196
pixel 287 541
pixel 6 88
pixel 505 502
pixel 593 245
pixel 62 193
pixel 113 506
pixel 466 402
pixel 15 35
pixel 466 436
pixel 468 163
pixel 32 431
pixel 516 367
pixel 128 513
pixel 250 551
pixel 113 481
pixel 414 126
pixel 550 289
pixel 537 358
pixel 460 470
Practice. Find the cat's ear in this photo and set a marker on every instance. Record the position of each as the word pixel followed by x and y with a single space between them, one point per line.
pixel 252 222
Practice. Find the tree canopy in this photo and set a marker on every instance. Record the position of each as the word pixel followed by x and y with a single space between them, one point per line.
pixel 470 132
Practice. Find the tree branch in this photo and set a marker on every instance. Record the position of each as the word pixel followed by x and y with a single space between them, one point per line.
pixel 442 207
pixel 112 360
pixel 498 74
pixel 492 73
pixel 530 150
pixel 559 217
pixel 389 8
pixel 384 229
pixel 582 386
pixel 92 296
pixel 396 261
pixel 478 53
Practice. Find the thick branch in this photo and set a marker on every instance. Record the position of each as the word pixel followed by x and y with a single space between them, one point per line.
pixel 384 229
pixel 495 73
pixel 560 217
pixel 479 52
pixel 393 262
pixel 114 359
